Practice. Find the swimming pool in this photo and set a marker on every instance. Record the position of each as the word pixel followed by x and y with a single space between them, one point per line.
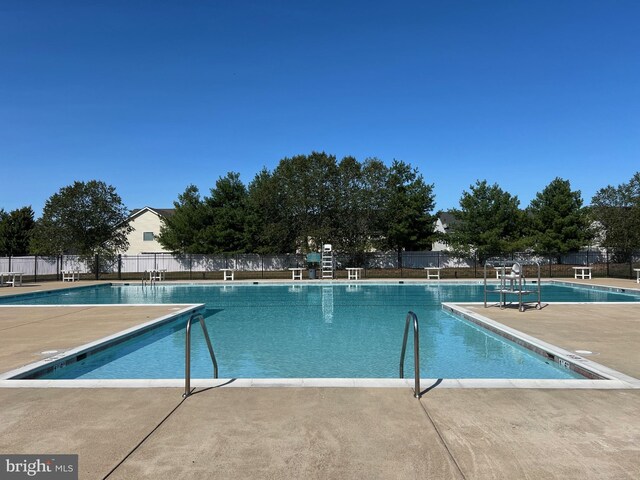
pixel 215 296
pixel 313 331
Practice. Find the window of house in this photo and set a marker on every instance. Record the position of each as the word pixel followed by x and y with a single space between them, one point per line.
pixel 147 236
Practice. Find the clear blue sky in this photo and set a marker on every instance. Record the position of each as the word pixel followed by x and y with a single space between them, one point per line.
pixel 152 96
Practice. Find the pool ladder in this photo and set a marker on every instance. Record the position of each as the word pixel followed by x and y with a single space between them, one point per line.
pixel 151 282
pixel 412 317
pixel 187 352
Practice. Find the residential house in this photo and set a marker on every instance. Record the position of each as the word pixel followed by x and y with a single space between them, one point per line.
pixel 443 224
pixel 146 223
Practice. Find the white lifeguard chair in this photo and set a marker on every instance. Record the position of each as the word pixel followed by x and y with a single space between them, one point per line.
pixel 327 261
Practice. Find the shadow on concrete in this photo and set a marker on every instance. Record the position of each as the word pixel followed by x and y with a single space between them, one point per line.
pixel 194 392
pixel 435 384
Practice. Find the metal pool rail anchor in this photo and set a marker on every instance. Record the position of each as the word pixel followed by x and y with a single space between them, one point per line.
pixel 416 351
pixel 187 352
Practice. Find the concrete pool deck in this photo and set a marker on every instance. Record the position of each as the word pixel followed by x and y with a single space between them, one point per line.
pixel 336 432
pixel 30 334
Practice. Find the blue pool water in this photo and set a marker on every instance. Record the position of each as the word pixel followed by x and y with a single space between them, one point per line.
pixel 314 331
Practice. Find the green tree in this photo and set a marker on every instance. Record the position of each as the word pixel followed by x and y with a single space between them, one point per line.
pixel 226 209
pixel 409 201
pixel 558 223
pixel 311 199
pixel 268 229
pixel 84 219
pixel 309 183
pixel 489 222
pixel 214 224
pixel 16 229
pixel 182 232
pixel 617 211
pixel 359 204
pixel 294 207
pixel 307 200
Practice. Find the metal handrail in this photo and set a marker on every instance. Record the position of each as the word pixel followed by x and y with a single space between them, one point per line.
pixel 187 352
pixel 152 279
pixel 416 351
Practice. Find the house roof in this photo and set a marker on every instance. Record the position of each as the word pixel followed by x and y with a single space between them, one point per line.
pixel 447 218
pixel 161 212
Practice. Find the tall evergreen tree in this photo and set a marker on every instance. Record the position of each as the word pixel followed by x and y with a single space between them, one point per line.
pixel 182 232
pixel 557 222
pixel 16 228
pixel 226 208
pixel 488 222
pixel 409 202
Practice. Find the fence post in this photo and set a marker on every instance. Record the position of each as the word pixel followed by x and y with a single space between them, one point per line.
pixel 119 266
pixel 9 262
pixel 475 264
pixel 262 262
pixel 35 268
pixel 58 266
pixel 190 264
pixel 97 262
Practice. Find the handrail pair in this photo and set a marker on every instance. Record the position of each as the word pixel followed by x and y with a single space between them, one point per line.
pixel 416 351
pixel 152 280
pixel 187 351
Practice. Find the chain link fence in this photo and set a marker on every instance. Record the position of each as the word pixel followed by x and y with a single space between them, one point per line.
pixel 255 266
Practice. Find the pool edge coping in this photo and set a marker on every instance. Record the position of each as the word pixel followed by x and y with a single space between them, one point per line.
pixel 427 383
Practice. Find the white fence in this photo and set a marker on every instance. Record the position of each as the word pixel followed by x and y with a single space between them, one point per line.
pixel 128 266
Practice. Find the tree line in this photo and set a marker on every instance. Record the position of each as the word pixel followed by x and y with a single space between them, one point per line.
pixel 308 200
pixel 490 221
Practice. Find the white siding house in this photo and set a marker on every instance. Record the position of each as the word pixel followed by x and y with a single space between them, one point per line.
pixel 146 223
pixel 443 222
